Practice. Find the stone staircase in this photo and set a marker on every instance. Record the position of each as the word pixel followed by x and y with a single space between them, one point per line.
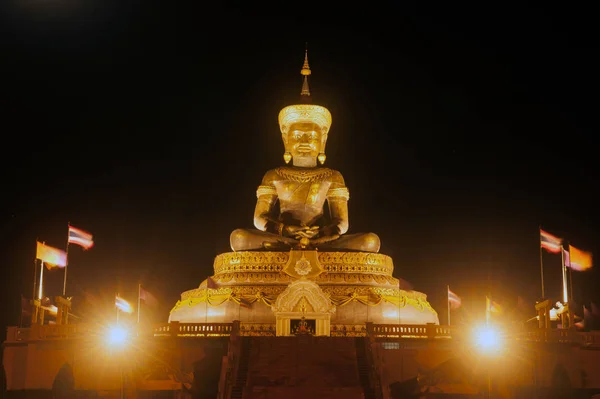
pixel 363 368
pixel 298 367
pixel 237 391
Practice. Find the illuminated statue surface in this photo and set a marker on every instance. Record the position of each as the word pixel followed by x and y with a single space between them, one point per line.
pixel 301 191
pixel 299 262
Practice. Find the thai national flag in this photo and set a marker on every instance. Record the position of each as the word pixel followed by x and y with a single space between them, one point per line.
pixel 80 237
pixel 549 242
pixel 454 299
pixel 123 305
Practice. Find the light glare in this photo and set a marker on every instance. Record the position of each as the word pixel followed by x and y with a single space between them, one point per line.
pixel 488 339
pixel 117 336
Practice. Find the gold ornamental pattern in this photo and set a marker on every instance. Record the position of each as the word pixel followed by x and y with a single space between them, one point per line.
pixel 304 176
pixel 338 193
pixel 250 261
pixel 265 190
pixel 339 296
pixel 275 262
pixel 356 262
pixel 265 279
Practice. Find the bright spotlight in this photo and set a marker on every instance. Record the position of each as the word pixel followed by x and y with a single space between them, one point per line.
pixel 116 336
pixel 488 339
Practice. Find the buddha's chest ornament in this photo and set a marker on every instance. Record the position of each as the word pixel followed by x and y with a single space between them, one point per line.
pixel 303 187
pixel 304 176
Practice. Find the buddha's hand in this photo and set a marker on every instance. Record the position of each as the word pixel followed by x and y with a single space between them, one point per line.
pixel 299 232
pixel 309 232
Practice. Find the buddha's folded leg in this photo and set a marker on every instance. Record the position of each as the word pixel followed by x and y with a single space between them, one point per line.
pixel 367 242
pixel 248 240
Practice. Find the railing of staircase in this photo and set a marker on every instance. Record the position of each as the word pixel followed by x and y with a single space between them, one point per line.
pixel 374 374
pixel 426 331
pixel 348 330
pixel 176 329
pixel 257 329
pixel 233 359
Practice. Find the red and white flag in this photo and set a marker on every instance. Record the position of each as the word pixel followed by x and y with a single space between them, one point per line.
pixel 123 305
pixel 549 242
pixel 454 300
pixel 147 297
pixel 80 237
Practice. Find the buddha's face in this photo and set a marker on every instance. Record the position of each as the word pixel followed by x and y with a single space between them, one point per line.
pixel 305 140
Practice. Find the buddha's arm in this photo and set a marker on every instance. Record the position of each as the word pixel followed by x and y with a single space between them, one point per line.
pixel 266 195
pixel 337 199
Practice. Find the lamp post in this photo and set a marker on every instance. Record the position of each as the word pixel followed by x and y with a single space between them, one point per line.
pixel 489 342
pixel 117 339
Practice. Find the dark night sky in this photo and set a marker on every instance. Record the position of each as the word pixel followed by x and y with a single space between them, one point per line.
pixel 458 132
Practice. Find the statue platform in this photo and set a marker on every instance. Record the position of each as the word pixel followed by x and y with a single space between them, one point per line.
pixel 278 288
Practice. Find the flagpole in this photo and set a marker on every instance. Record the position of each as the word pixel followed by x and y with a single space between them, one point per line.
pixel 41 280
pixel 541 266
pixel 564 276
pixel 21 314
pixel 139 302
pixel 570 277
pixel 448 302
pixel 34 273
pixel 67 259
pixel 398 302
pixel 570 285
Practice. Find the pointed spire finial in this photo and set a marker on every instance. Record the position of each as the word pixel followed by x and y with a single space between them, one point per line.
pixel 305 72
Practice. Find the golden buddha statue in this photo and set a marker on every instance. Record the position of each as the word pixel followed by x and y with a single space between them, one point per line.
pixel 302 189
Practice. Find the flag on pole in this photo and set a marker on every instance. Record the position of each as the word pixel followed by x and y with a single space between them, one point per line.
pixel 493 306
pixel 243 302
pixel 211 283
pixel 123 305
pixel 147 297
pixel 577 259
pixel 52 257
pixel 454 300
pixel 549 242
pixel 80 237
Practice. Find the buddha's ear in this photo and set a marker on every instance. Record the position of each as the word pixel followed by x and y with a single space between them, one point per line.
pixel 323 140
pixel 285 141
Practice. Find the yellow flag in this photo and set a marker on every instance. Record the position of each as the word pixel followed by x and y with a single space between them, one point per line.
pixel 579 260
pixel 53 257
pixel 493 306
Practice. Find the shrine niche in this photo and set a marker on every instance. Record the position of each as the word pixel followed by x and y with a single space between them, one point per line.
pixel 303 300
pixel 303 326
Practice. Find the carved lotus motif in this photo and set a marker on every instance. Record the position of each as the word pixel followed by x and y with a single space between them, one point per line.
pixel 303 266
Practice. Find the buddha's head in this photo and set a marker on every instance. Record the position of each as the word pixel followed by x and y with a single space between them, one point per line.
pixel 304 127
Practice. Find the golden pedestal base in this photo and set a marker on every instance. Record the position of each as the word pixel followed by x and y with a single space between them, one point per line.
pixel 360 285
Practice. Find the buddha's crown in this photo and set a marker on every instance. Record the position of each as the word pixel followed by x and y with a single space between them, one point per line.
pixel 304 112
